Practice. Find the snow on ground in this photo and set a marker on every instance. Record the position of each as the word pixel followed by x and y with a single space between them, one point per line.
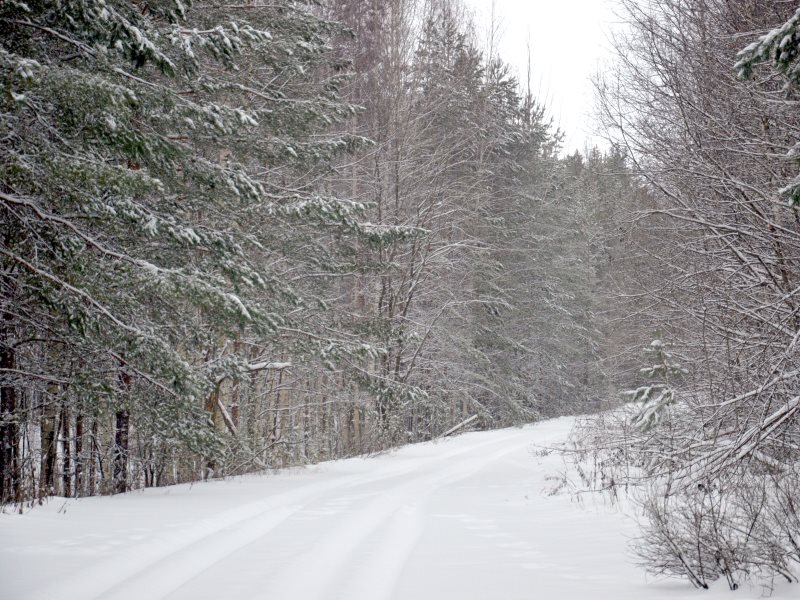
pixel 466 518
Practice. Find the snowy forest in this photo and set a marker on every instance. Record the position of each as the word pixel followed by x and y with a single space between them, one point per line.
pixel 245 236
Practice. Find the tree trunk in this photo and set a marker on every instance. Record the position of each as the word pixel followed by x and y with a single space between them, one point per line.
pixel 357 429
pixel 93 459
pixel 121 437
pixel 48 435
pixel 79 455
pixel 66 470
pixel 212 403
pixel 121 432
pixel 9 430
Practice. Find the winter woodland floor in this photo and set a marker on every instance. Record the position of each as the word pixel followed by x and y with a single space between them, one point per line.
pixel 467 518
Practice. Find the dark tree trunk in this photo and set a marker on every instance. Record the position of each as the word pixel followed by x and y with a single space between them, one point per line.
pixel 66 470
pixel 10 484
pixel 149 469
pixel 121 437
pixel 79 455
pixel 48 433
pixel 121 431
pixel 94 457
pixel 211 408
pixel 9 430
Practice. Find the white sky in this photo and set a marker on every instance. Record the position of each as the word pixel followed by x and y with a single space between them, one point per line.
pixel 569 41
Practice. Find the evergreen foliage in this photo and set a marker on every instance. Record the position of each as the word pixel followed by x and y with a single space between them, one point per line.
pixel 158 195
pixel 779 48
pixel 662 374
pixel 251 235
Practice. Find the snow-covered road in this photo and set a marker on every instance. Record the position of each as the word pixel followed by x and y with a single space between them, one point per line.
pixel 466 518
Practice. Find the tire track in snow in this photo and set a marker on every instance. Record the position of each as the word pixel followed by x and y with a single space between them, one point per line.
pixel 377 578
pixel 390 513
pixel 153 570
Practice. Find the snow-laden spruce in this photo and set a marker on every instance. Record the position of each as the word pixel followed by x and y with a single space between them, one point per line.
pixel 159 195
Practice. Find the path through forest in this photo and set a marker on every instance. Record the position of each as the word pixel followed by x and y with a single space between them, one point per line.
pixel 466 518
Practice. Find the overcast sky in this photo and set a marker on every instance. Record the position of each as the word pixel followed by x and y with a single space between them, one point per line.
pixel 569 41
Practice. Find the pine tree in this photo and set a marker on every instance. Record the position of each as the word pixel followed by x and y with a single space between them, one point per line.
pixel 663 374
pixel 160 191
pixel 780 48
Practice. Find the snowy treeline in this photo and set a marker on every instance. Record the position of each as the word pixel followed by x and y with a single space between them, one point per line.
pixel 705 99
pixel 247 235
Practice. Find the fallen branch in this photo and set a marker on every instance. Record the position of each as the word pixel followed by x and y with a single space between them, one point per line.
pixel 464 423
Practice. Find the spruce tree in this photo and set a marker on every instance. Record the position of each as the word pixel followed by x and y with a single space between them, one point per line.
pixel 663 374
pixel 161 172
